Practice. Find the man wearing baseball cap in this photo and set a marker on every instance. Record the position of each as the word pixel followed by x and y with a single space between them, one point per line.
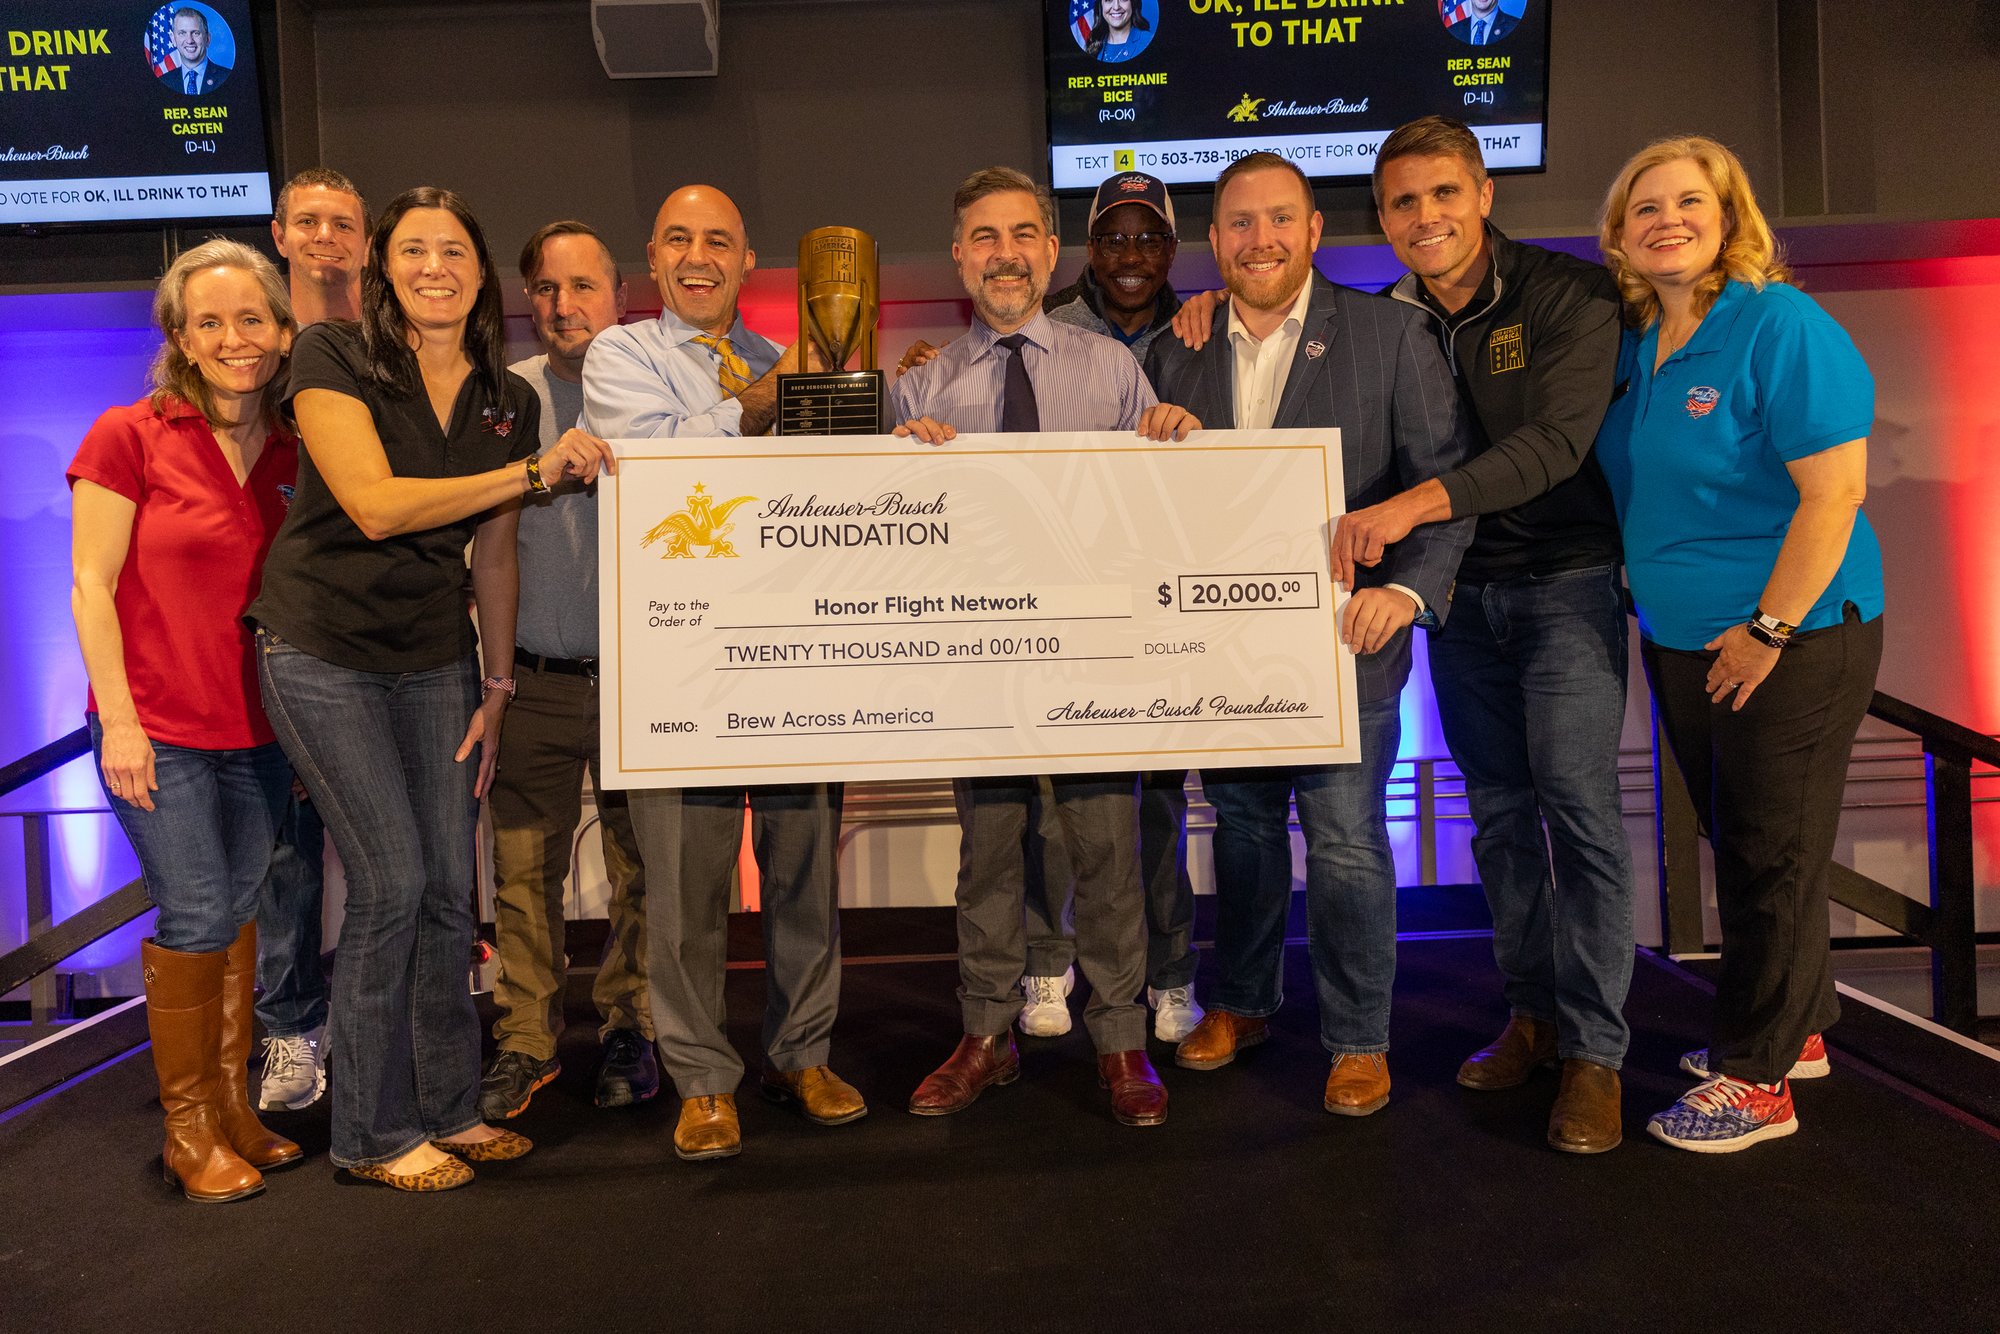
pixel 1123 291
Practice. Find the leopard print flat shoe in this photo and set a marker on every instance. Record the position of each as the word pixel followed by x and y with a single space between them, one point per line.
pixel 501 1148
pixel 447 1175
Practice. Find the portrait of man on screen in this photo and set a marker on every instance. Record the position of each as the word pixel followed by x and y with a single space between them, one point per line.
pixel 1480 22
pixel 189 47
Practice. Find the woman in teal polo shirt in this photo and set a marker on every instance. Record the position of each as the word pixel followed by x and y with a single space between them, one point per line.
pixel 1736 448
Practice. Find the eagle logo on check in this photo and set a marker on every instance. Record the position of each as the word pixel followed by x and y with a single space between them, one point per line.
pixel 702 524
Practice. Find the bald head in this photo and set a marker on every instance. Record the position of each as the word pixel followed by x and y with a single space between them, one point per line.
pixel 698 256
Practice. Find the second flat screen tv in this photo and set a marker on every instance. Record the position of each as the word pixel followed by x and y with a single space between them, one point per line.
pixel 1181 88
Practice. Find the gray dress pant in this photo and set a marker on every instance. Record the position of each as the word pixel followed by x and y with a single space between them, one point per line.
pixel 1170 952
pixel 688 839
pixel 1099 819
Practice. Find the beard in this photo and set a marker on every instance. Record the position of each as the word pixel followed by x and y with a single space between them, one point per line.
pixel 1004 309
pixel 1270 290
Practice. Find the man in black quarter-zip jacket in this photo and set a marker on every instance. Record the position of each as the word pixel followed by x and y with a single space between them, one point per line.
pixel 1530 667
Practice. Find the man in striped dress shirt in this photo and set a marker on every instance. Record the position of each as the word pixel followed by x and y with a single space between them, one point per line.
pixel 1016 370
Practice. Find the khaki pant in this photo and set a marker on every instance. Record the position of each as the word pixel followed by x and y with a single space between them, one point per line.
pixel 549 738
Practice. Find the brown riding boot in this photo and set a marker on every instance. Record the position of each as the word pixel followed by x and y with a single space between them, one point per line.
pixel 184 1016
pixel 257 1144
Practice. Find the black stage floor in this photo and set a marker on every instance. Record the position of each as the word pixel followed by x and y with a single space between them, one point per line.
pixel 1250 1209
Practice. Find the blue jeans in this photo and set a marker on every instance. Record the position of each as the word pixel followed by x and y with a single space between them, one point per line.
pixel 1350 886
pixel 289 976
pixel 1530 680
pixel 374 751
pixel 206 843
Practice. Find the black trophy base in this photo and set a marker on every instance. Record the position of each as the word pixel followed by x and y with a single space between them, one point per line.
pixel 832 403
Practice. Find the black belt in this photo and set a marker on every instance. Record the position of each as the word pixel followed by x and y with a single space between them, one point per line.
pixel 535 662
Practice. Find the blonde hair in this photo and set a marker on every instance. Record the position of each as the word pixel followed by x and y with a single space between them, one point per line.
pixel 173 376
pixel 1749 254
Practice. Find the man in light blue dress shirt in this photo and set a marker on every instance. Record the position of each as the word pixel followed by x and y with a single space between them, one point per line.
pixel 698 371
pixel 1016 370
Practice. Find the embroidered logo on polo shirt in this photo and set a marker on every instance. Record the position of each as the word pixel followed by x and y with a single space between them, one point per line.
pixel 501 424
pixel 1702 400
pixel 1508 350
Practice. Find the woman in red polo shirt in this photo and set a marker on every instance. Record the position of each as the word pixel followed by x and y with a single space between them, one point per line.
pixel 174 502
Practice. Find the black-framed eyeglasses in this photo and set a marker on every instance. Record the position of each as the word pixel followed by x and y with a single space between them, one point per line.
pixel 1150 244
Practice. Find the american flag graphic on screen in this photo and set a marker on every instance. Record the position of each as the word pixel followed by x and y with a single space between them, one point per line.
pixel 1454 11
pixel 160 41
pixel 1081 12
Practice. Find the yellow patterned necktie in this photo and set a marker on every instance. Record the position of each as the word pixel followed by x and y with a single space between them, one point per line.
pixel 731 370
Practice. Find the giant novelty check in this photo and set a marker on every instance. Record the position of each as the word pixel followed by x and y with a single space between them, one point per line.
pixel 815 608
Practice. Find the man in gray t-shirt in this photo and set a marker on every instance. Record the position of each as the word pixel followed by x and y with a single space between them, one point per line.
pixel 575 293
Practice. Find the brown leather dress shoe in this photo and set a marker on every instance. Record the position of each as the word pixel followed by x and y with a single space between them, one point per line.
pixel 708 1128
pixel 977 1065
pixel 1217 1038
pixel 1358 1083
pixel 1138 1098
pixel 1523 1047
pixel 823 1096
pixel 1586 1117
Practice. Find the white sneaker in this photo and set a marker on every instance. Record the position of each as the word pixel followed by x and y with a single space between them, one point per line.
pixel 1046 1015
pixel 1175 1012
pixel 294 1072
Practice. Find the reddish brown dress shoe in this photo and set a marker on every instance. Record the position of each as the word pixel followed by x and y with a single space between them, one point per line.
pixel 1137 1096
pixel 1523 1047
pixel 824 1097
pixel 1587 1117
pixel 979 1063
pixel 1217 1038
pixel 708 1128
pixel 1358 1083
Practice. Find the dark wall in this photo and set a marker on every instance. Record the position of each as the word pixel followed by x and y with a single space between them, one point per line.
pixel 867 112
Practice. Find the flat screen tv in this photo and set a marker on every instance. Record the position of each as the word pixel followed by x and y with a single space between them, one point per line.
pixel 1181 88
pixel 116 112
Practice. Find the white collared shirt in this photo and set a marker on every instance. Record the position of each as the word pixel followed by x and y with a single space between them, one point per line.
pixel 1262 368
pixel 1263 365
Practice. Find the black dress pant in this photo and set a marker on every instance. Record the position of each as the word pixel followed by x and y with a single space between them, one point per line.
pixel 1767 784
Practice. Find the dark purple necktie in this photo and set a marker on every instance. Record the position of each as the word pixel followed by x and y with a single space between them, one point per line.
pixel 1018 411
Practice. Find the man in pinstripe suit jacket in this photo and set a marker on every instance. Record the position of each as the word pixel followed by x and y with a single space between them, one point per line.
pixel 1290 349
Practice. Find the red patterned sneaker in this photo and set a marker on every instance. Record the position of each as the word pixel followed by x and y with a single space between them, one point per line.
pixel 1724 1115
pixel 1812 1062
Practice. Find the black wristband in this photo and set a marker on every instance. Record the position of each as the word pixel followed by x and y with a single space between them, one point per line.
pixel 1765 636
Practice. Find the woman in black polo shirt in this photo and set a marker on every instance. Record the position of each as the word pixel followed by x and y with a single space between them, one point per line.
pixel 418 441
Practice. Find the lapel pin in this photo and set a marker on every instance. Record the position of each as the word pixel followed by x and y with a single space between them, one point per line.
pixel 1314 350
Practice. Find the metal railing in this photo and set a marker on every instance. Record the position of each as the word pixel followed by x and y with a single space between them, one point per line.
pixel 49 941
pixel 1945 925
pixel 1427 790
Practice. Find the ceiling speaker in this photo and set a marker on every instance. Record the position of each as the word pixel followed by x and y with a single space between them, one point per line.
pixel 656 39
